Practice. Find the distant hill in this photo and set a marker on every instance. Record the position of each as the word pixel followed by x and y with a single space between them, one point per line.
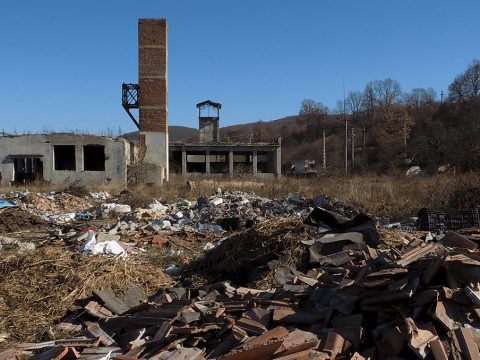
pixel 181 133
pixel 175 134
pixel 273 125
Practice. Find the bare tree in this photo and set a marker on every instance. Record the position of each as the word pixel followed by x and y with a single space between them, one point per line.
pixel 311 112
pixel 420 96
pixel 354 103
pixel 340 108
pixel 387 91
pixel 466 85
pixel 369 98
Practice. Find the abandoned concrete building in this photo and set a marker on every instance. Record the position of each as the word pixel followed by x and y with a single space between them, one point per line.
pixel 89 159
pixel 211 156
pixel 63 158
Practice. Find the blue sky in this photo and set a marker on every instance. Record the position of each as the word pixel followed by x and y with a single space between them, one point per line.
pixel 62 62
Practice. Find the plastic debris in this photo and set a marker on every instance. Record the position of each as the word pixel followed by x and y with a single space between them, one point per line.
pixel 5 204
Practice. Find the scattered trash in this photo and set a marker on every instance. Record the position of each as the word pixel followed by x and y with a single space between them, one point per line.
pixel 216 201
pixel 104 246
pixel 414 171
pixel 158 207
pixel 6 204
pixel 108 208
pixel 173 270
pixel 102 195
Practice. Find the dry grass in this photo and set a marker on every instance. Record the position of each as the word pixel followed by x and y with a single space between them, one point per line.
pixel 37 288
pixel 393 197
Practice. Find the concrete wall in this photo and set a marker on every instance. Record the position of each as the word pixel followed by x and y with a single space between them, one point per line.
pixel 116 158
pixel 156 156
pixel 208 129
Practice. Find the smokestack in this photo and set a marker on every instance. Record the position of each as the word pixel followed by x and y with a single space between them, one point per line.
pixel 153 97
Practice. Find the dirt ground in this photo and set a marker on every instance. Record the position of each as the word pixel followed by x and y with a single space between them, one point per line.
pixel 15 220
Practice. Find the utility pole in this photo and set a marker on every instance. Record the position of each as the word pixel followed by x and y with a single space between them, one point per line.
pixel 324 164
pixel 364 154
pixel 353 149
pixel 346 132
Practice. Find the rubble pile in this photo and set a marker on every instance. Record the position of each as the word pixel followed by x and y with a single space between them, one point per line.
pixel 55 203
pixel 229 211
pixel 351 297
pixel 290 278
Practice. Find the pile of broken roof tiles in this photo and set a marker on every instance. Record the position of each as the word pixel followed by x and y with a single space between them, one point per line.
pixel 415 300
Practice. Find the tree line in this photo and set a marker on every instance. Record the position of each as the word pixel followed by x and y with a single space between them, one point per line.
pixel 402 128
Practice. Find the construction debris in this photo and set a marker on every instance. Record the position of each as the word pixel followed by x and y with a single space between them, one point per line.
pixel 292 280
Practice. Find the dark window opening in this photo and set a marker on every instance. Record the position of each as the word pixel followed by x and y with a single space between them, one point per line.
pixel 219 163
pixel 196 162
pixel 27 169
pixel 94 158
pixel 64 157
pixel 175 162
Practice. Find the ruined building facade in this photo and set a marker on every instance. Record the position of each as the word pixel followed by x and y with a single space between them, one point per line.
pixel 63 158
pixel 213 157
pixel 90 160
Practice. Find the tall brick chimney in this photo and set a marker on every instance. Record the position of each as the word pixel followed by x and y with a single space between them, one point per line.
pixel 153 97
